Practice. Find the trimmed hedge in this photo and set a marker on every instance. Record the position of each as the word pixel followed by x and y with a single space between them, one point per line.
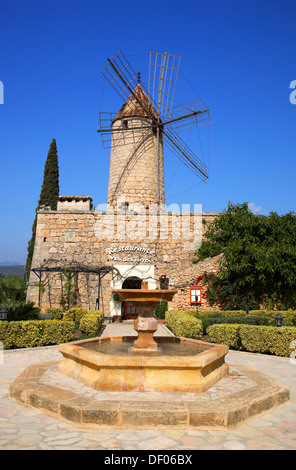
pixel 225 334
pixel 227 313
pixel 91 323
pixel 258 339
pixel 289 316
pixel 55 312
pixel 75 314
pixel 34 333
pixel 183 324
pixel 217 318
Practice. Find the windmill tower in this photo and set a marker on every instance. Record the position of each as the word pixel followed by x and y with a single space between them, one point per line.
pixel 137 133
pixel 136 167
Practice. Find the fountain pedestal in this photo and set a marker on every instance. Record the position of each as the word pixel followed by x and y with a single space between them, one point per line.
pixel 145 325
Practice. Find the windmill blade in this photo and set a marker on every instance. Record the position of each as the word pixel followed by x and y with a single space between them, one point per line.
pixel 120 75
pixel 184 153
pixel 105 128
pixel 188 116
pixel 124 80
pixel 163 74
pixel 119 135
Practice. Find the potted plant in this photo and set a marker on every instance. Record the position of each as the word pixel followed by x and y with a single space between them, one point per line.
pixel 115 298
pixel 159 312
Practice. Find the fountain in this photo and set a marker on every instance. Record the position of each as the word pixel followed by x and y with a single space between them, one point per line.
pixel 167 366
pixel 144 362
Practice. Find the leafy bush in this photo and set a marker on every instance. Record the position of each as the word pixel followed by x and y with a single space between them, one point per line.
pixel 221 312
pixel 190 312
pixel 220 318
pixel 12 288
pixel 183 324
pixel 17 311
pixel 289 316
pixel 29 334
pixel 160 310
pixel 225 334
pixel 91 323
pixel 271 340
pixel 55 312
pixel 258 262
pixel 75 314
pixel 257 339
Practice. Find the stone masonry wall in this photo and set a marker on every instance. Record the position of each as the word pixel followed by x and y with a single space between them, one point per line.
pixel 133 166
pixel 163 243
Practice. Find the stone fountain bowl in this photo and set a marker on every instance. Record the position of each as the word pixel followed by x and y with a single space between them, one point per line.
pixel 90 362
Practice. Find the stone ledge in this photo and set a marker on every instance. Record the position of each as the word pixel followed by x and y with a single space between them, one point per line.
pixel 225 413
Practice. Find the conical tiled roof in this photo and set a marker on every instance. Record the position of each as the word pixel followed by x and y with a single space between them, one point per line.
pixel 132 107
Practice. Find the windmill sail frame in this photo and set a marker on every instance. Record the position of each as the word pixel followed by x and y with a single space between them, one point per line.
pixel 155 104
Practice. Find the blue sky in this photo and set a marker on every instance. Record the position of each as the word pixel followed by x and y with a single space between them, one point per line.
pixel 239 56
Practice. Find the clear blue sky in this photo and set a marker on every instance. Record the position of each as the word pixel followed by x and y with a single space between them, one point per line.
pixel 239 56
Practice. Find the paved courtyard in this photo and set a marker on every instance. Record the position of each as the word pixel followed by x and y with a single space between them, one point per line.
pixel 26 428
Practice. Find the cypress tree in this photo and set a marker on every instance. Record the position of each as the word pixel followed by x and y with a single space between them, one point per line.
pixel 48 195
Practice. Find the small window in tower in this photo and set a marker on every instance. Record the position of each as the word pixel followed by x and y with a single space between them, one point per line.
pixel 124 206
pixel 125 123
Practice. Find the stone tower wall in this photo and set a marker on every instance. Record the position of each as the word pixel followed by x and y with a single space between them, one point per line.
pixel 133 166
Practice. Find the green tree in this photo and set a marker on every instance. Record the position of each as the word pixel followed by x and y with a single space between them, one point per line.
pixel 12 288
pixel 48 195
pixel 259 259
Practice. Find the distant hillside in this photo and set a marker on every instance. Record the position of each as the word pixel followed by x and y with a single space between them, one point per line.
pixel 19 270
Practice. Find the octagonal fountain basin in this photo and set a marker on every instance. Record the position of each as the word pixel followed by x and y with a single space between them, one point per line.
pixel 112 364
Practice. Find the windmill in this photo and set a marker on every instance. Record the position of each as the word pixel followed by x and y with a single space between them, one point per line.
pixel 147 120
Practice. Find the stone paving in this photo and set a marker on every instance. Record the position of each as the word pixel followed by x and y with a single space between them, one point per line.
pixel 25 428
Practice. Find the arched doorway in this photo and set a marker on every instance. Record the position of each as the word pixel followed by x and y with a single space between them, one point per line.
pixel 132 282
pixel 129 309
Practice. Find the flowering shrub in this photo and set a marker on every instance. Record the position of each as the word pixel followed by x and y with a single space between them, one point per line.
pixel 229 296
pixel 258 263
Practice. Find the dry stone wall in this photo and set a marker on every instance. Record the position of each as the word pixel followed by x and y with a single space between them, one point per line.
pixel 166 242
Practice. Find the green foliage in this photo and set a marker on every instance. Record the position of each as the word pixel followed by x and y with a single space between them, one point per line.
pixel 75 314
pixel 91 323
pixel 50 186
pixel 241 319
pixel 259 317
pixel 68 298
pixel 289 316
pixel 12 288
pixel 225 334
pixel 257 339
pixel 17 311
pixel 183 324
pixel 55 312
pixel 29 334
pixel 48 195
pixel 259 261
pixel 160 310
